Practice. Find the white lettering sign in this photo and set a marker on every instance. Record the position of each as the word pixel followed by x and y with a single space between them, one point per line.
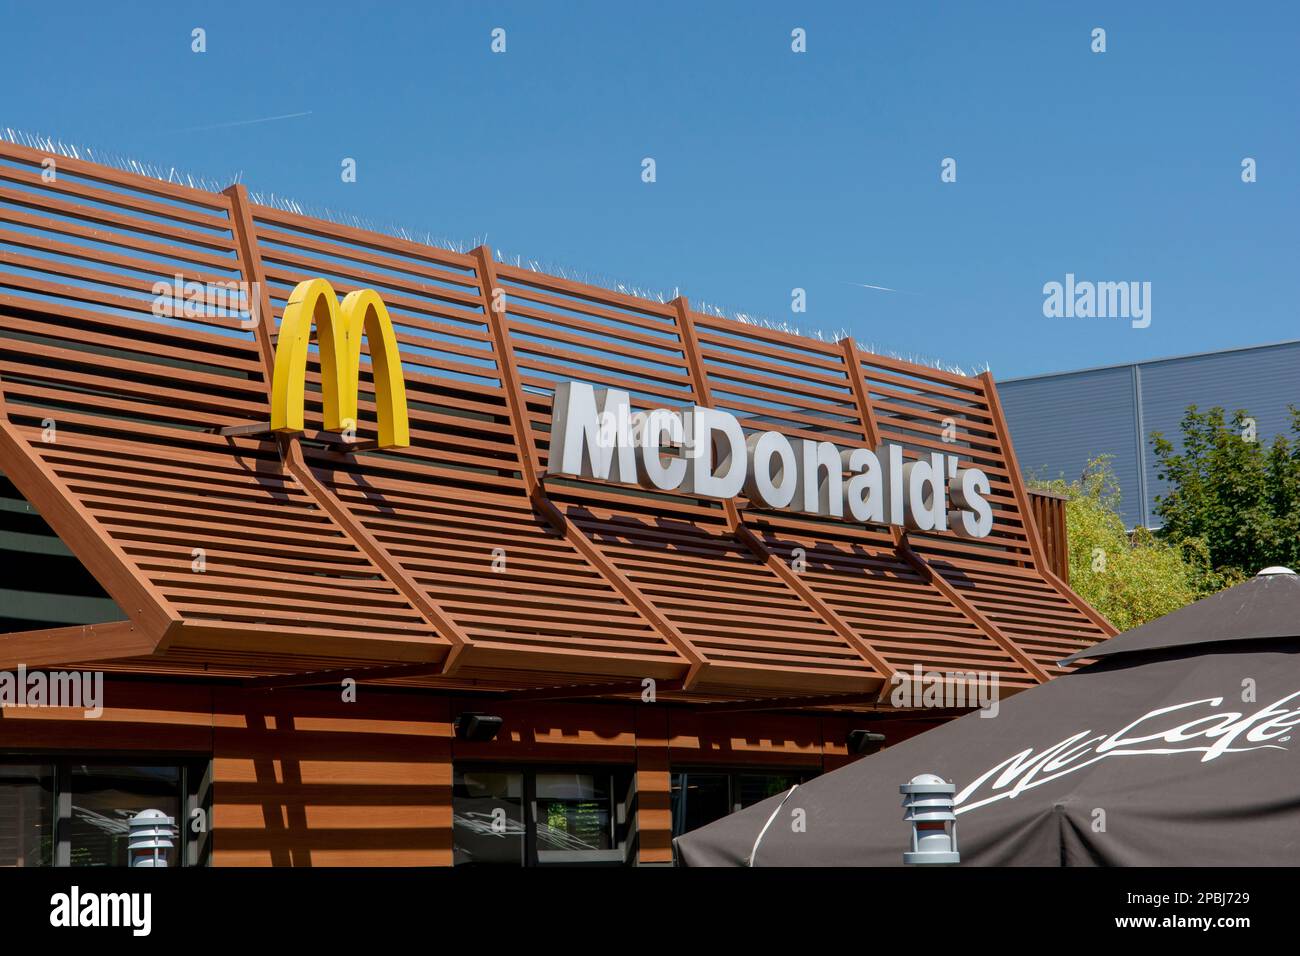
pixel 1195 727
pixel 706 452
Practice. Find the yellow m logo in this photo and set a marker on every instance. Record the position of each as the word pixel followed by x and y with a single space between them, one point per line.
pixel 340 328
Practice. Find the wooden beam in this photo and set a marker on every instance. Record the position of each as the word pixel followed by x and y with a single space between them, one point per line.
pixel 75 645
pixel 1022 502
pixel 498 325
pixel 858 383
pixel 290 448
pixel 814 600
pixel 338 441
pixel 322 678
pixel 903 546
pixel 699 378
pixel 517 403
pixel 746 536
pixel 82 534
pixel 580 691
pixel 250 261
pixel 624 586
pixel 991 630
pixel 875 713
pixel 438 620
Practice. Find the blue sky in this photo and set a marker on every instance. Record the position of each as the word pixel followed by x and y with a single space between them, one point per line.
pixel 775 170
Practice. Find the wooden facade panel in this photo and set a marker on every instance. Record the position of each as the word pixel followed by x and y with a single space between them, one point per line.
pixel 112 389
pixel 460 550
pixel 893 606
pixel 307 779
pixel 544 594
pixel 733 738
pixel 737 612
pixel 147 717
pixel 471 543
pixel 565 331
pixel 799 387
pixel 560 732
pixel 1048 510
pixel 896 609
pixel 653 786
pixel 302 778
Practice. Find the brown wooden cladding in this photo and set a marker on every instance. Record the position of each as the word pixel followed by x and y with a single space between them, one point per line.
pixel 130 398
pixel 461 551
pixel 300 778
pixel 806 389
pixel 1048 509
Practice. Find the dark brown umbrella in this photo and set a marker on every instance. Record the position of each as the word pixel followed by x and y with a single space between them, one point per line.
pixel 1178 746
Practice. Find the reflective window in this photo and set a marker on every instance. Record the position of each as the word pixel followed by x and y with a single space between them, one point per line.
pixel 26 814
pixel 702 796
pixel 699 798
pixel 532 818
pixel 105 798
pixel 575 816
pixel 752 788
pixel 488 818
pixel 64 811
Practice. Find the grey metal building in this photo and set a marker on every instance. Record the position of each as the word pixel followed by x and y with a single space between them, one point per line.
pixel 1059 421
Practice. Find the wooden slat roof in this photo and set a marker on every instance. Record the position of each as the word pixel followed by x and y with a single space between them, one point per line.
pixel 315 559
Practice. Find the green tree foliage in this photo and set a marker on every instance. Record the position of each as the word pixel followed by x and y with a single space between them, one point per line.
pixel 1133 578
pixel 1228 491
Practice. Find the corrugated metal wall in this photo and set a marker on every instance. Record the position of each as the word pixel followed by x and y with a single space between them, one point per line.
pixel 1060 421
pixel 1261 381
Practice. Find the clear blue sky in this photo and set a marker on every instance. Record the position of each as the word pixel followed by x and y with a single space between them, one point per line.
pixel 775 170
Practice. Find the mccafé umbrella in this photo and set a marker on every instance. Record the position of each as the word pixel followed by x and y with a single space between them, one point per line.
pixel 1179 746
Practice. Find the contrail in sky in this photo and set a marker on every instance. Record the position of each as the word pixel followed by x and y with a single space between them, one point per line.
pixel 881 288
pixel 249 122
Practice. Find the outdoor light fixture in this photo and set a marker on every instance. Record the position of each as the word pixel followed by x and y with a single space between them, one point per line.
pixel 149 837
pixel 479 727
pixel 927 802
pixel 864 741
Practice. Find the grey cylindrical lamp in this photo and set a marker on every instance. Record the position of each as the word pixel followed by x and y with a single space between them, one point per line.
pixel 928 806
pixel 149 837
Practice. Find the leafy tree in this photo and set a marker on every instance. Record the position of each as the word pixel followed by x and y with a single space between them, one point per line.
pixel 1231 493
pixel 1134 578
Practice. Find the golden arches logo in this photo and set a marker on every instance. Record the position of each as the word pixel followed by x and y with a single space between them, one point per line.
pixel 339 330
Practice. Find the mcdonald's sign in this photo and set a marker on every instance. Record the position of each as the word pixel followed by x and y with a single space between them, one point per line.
pixel 339 329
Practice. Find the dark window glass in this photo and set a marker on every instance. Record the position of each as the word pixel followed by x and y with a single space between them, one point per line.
pixel 551 817
pixel 26 814
pixel 699 798
pixel 574 813
pixel 752 788
pixel 105 798
pixel 488 817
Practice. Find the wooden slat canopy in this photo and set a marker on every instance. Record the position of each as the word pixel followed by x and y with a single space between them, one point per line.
pixel 238 553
